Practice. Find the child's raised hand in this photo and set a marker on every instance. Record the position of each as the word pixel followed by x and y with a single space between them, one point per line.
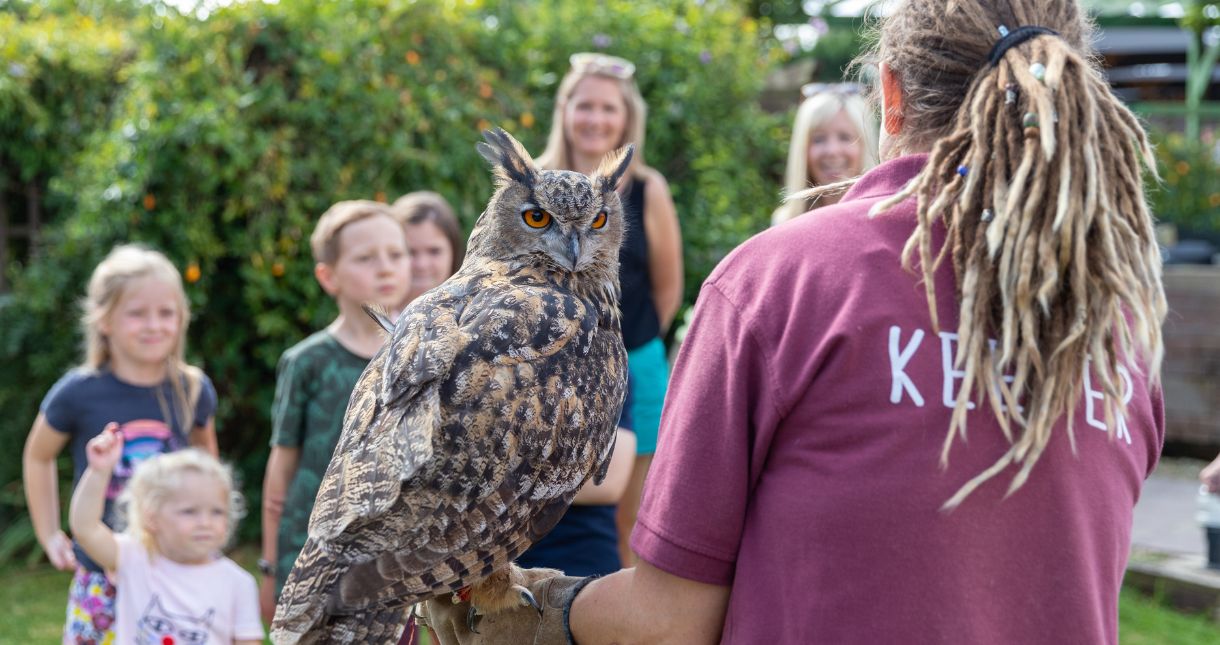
pixel 104 450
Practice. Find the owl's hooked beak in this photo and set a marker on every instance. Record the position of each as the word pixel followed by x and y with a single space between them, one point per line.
pixel 572 254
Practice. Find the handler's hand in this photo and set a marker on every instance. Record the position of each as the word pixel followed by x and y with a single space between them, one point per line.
pixel 553 590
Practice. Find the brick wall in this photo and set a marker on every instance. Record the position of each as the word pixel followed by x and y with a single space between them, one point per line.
pixel 1192 355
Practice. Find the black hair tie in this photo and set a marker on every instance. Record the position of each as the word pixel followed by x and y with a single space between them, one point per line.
pixel 1014 38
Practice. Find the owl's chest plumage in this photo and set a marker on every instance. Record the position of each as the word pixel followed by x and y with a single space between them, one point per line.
pixel 538 381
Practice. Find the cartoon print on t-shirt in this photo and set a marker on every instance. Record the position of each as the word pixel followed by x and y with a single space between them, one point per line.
pixel 160 627
pixel 142 439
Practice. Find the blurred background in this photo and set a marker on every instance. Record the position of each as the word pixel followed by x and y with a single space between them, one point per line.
pixel 219 131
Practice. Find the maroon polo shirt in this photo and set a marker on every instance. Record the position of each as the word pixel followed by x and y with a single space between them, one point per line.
pixel 799 450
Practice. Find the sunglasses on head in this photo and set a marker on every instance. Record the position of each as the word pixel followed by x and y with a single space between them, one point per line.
pixel 845 89
pixel 595 63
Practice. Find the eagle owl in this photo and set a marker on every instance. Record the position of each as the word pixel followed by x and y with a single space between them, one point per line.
pixel 471 430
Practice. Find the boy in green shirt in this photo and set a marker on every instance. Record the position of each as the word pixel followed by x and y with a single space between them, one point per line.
pixel 361 255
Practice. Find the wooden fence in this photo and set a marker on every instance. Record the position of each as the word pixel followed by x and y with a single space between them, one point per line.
pixel 1192 355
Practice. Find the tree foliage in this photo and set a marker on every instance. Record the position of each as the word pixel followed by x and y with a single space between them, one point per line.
pixel 227 137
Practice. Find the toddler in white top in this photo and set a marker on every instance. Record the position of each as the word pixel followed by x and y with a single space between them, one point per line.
pixel 174 584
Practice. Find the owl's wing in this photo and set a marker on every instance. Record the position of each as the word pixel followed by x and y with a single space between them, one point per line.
pixel 392 414
pixel 397 406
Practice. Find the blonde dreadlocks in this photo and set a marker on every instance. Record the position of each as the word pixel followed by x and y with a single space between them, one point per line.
pixel 1036 175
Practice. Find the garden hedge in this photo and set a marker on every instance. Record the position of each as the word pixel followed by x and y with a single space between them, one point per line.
pixel 222 139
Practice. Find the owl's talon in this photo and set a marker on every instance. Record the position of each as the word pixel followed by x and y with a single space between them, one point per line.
pixel 472 620
pixel 528 598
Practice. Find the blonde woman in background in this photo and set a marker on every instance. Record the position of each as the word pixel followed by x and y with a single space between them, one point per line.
pixel 598 108
pixel 834 138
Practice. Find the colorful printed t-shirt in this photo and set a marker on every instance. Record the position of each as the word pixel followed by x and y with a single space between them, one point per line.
pixel 83 401
pixel 314 383
pixel 799 460
pixel 162 602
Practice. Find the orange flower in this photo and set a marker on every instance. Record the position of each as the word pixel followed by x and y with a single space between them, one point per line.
pixel 1214 199
pixel 277 269
pixel 150 202
pixel 192 273
pixel 482 125
pixel 412 57
pixel 1182 167
pixel 379 196
pixel 485 90
pixel 527 120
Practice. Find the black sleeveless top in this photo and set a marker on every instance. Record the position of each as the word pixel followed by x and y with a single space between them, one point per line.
pixel 640 321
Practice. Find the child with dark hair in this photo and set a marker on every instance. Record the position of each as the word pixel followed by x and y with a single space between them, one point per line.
pixel 434 239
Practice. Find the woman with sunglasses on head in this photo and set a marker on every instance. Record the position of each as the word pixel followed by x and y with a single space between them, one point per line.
pixel 834 138
pixel 598 108
pixel 996 278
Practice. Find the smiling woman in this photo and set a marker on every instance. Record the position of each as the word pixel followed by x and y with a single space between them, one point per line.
pixel 834 138
pixel 598 109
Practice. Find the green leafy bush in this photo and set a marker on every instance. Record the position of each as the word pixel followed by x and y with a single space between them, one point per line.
pixel 230 135
pixel 1188 195
pixel 58 79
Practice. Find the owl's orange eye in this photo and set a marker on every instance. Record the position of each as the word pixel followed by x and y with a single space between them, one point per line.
pixel 536 218
pixel 600 220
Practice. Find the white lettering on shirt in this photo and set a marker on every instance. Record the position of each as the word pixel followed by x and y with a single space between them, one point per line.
pixel 952 375
pixel 900 381
pixel 1091 395
pixel 898 361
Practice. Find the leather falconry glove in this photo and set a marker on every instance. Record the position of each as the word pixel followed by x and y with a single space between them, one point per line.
pixel 457 623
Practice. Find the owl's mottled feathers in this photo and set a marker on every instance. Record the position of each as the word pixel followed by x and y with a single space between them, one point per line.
pixel 471 430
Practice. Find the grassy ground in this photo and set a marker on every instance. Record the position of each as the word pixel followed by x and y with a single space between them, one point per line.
pixel 1143 620
pixel 34 612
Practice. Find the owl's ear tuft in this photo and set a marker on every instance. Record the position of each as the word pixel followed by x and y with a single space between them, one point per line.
pixel 508 158
pixel 610 171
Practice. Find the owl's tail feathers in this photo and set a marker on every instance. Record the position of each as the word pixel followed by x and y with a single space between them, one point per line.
pixel 308 610
pixel 302 604
pixel 378 625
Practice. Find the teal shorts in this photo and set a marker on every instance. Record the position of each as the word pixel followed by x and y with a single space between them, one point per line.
pixel 649 380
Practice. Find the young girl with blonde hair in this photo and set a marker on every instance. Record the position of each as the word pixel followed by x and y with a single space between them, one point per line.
pixel 135 321
pixel 995 278
pixel 174 584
